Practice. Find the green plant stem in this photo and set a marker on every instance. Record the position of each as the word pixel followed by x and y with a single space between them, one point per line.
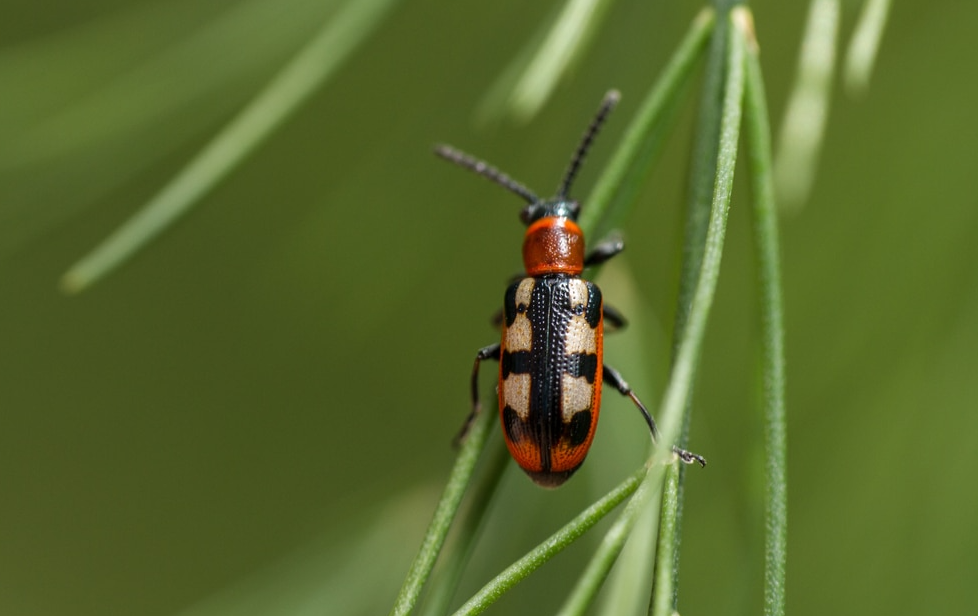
pixel 642 140
pixel 437 531
pixel 611 545
pixel 772 334
pixel 700 188
pixel 681 381
pixel 295 83
pixel 701 176
pixel 529 563
pixel 625 588
pixel 457 553
pixel 666 571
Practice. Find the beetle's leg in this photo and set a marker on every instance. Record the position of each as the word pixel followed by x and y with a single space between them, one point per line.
pixel 613 378
pixel 497 318
pixel 604 250
pixel 489 352
pixel 601 253
pixel 612 318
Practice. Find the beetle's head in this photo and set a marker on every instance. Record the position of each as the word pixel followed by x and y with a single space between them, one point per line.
pixel 557 207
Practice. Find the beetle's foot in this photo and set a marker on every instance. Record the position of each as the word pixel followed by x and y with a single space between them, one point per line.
pixel 689 457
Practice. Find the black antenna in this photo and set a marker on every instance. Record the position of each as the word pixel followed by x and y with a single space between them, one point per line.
pixel 485 170
pixel 607 104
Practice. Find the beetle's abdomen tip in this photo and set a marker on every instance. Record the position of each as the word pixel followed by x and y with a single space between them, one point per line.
pixel 550 479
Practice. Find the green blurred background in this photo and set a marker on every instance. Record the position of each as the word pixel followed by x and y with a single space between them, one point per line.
pixel 256 412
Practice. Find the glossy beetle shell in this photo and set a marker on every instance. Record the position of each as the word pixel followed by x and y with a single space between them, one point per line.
pixel 550 374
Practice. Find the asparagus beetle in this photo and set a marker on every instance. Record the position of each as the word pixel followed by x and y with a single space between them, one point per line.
pixel 550 356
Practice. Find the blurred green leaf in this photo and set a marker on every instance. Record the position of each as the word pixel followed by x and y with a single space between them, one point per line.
pixel 326 576
pixel 475 440
pixel 620 180
pixel 535 72
pixel 98 103
pixel 297 80
pixel 864 45
pixel 803 125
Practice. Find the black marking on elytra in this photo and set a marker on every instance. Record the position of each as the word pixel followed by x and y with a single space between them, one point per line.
pixel 514 426
pixel 578 428
pixel 593 313
pixel 515 362
pixel 583 364
pixel 509 303
pixel 550 314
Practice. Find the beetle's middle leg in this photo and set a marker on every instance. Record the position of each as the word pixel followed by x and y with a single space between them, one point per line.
pixel 613 320
pixel 613 378
pixel 489 352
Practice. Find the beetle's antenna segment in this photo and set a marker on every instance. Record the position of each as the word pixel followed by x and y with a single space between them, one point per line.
pixel 485 170
pixel 610 100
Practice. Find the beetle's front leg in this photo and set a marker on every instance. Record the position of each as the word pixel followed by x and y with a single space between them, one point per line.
pixel 604 250
pixel 613 378
pixel 489 352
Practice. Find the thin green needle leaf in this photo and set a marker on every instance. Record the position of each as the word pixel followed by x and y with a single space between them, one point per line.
pixel 772 334
pixel 644 501
pixel 691 338
pixel 90 98
pixel 642 139
pixel 449 571
pixel 702 173
pixel 567 38
pixel 294 84
pixel 865 43
pixel 143 93
pixel 628 584
pixel 680 382
pixel 667 546
pixel 529 563
pixel 437 531
pixel 803 126
pixel 544 67
pixel 701 188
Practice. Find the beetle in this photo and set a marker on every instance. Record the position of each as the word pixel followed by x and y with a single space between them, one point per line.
pixel 550 356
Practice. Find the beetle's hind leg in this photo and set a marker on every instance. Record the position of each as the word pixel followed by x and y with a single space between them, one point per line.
pixel 613 378
pixel 489 352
